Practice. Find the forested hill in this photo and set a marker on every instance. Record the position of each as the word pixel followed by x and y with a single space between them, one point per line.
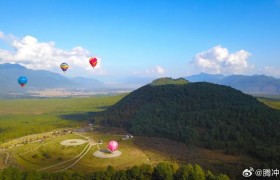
pixel 203 114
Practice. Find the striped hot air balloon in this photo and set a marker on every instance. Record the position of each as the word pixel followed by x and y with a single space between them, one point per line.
pixel 64 67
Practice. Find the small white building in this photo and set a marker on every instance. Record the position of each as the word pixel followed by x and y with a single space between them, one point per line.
pixel 128 136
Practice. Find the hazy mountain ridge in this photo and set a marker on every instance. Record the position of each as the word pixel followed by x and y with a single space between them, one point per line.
pixel 255 84
pixel 41 79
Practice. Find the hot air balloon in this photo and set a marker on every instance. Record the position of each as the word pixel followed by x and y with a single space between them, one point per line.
pixel 93 61
pixel 113 145
pixel 22 80
pixel 64 66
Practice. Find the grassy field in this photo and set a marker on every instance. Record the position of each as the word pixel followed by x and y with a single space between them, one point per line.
pixel 34 156
pixel 136 151
pixel 273 103
pixel 27 116
pixel 131 155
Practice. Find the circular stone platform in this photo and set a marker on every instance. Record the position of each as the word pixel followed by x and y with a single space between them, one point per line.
pixel 104 153
pixel 73 142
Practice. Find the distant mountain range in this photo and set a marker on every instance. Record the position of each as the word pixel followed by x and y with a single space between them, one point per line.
pixel 41 79
pixel 255 84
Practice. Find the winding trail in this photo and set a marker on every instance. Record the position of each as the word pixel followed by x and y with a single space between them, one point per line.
pixel 7 158
pixel 67 160
pixel 33 149
pixel 78 157
pixel 91 143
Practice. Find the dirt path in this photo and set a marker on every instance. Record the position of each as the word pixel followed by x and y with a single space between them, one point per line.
pixel 78 157
pixel 67 160
pixel 7 158
pixel 33 149
pixel 91 143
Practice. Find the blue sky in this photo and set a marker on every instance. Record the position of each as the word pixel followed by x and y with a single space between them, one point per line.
pixel 143 38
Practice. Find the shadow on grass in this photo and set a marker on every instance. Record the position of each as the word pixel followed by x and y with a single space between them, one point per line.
pixel 103 107
pixel 85 116
pixel 105 151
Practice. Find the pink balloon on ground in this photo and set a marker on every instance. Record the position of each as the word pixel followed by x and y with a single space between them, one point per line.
pixel 113 145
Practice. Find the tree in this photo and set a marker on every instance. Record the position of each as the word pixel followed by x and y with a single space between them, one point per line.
pixel 33 175
pixel 198 173
pixel 121 174
pixel 209 175
pixel 12 173
pixel 182 173
pixel 99 175
pixel 109 172
pixel 146 171
pixel 163 171
pixel 222 177
pixel 133 173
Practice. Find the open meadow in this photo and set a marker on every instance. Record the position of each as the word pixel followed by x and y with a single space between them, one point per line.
pixel 20 117
pixel 271 102
pixel 51 156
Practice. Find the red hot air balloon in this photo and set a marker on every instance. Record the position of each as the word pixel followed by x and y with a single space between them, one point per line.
pixel 93 61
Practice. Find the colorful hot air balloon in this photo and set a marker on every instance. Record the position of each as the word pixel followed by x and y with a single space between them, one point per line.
pixel 22 80
pixel 64 66
pixel 113 145
pixel 93 61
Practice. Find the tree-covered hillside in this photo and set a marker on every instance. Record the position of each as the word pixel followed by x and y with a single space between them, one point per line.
pixel 202 114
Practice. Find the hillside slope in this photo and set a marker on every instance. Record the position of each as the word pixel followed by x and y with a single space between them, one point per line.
pixel 203 114
pixel 168 81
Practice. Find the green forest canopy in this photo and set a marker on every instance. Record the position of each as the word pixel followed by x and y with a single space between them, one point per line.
pixel 201 114
pixel 164 171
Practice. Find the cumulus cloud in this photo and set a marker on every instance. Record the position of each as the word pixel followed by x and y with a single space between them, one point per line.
pixel 218 60
pixel 31 53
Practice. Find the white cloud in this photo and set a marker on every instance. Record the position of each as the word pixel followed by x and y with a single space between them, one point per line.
pixel 154 71
pixel 1 35
pixel 28 51
pixel 157 70
pixel 271 71
pixel 218 60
